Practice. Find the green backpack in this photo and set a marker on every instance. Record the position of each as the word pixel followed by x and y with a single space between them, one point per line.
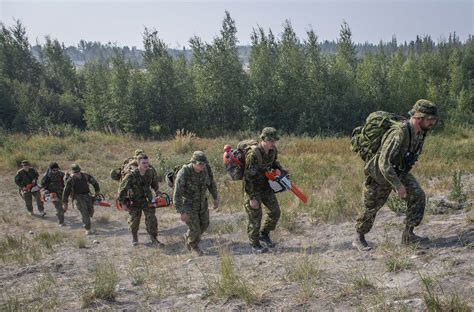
pixel 366 139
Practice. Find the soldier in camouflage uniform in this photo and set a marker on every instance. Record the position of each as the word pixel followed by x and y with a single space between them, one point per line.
pixel 53 182
pixel 257 190
pixel 191 183
pixel 389 170
pixel 27 180
pixel 77 185
pixel 136 188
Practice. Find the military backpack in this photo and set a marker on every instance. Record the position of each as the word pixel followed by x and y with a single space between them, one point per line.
pixel 366 139
pixel 234 159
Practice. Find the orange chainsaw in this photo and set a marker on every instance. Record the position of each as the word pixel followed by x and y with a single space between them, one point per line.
pixel 99 200
pixel 49 197
pixel 280 183
pixel 164 200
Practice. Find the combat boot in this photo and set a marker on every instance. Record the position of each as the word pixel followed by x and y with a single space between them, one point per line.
pixel 360 243
pixel 42 214
pixel 259 249
pixel 408 237
pixel 155 242
pixel 197 251
pixel 264 237
pixel 134 238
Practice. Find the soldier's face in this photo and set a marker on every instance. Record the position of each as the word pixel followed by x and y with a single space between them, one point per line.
pixel 198 167
pixel 144 164
pixel 269 144
pixel 427 123
pixel 26 167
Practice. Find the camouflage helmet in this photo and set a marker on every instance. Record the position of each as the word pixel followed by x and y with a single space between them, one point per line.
pixel 269 133
pixel 75 168
pixel 138 152
pixel 199 157
pixel 424 108
pixel 116 174
pixel 25 163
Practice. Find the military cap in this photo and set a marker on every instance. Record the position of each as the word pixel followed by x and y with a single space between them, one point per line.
pixel 139 151
pixel 424 108
pixel 75 168
pixel 199 157
pixel 269 133
pixel 25 163
pixel 53 165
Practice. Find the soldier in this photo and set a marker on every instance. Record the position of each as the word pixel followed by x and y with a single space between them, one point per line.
pixel 136 188
pixel 389 170
pixel 27 180
pixel 77 185
pixel 53 183
pixel 257 190
pixel 190 200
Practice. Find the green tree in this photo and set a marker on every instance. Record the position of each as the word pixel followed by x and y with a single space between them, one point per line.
pixel 263 59
pixel 220 82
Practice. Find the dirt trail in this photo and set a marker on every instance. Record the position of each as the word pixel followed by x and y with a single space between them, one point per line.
pixel 343 279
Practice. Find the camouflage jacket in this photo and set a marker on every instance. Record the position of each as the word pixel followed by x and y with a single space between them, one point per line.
pixel 257 162
pixel 190 188
pixel 388 163
pixel 23 178
pixel 138 187
pixel 53 182
pixel 79 185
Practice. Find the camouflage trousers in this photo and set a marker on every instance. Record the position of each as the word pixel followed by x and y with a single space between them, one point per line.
pixel 59 211
pixel 135 215
pixel 59 207
pixel 255 216
pixel 28 197
pixel 375 195
pixel 85 205
pixel 197 225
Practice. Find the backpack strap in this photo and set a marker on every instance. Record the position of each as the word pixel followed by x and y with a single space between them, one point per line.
pixel 258 154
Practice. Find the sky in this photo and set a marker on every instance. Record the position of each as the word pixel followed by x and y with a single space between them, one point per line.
pixel 122 22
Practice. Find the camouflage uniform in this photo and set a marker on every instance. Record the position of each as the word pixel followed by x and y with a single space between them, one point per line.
pixel 256 186
pixel 387 171
pixel 79 188
pixel 53 182
pixel 24 178
pixel 138 189
pixel 190 197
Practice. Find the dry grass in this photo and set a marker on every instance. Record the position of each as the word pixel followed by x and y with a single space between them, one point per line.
pixel 324 168
pixel 306 272
pixel 230 284
pixel 104 285
pixel 437 301
pixel 22 250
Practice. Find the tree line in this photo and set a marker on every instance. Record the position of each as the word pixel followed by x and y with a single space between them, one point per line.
pixel 290 83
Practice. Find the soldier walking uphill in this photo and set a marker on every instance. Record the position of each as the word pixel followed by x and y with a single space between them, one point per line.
pixel 77 185
pixel 27 180
pixel 190 200
pixel 259 160
pixel 53 185
pixel 389 170
pixel 135 192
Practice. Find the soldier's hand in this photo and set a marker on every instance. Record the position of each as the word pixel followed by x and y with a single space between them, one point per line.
pixel 216 204
pixel 185 217
pixel 402 192
pixel 65 207
pixel 254 204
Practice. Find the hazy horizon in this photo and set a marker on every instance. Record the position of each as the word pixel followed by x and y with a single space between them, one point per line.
pixel 123 22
